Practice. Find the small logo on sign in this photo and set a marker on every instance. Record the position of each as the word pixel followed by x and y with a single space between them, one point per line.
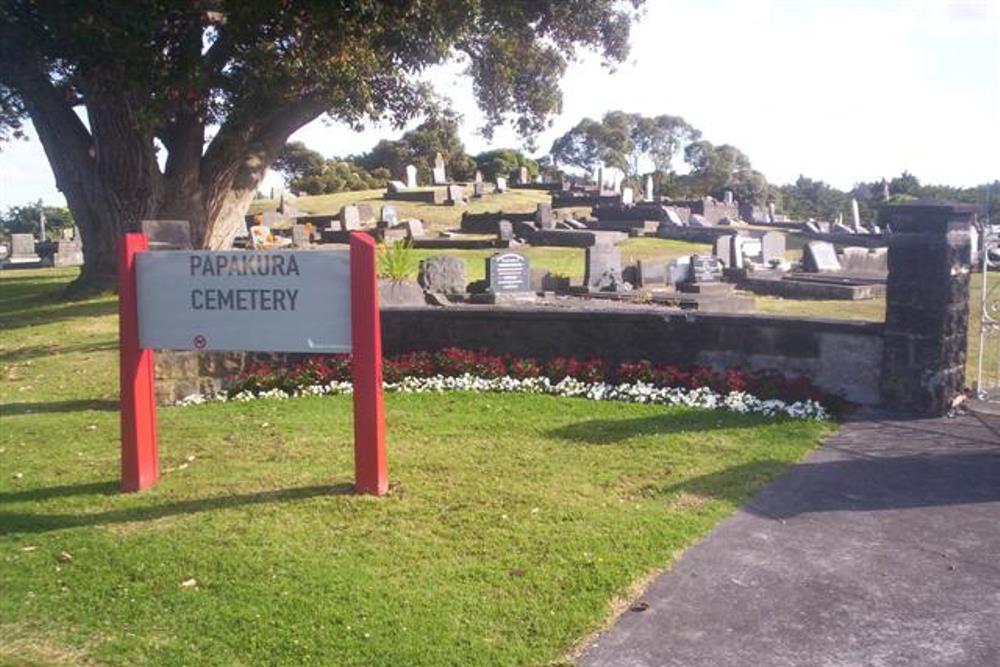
pixel 200 342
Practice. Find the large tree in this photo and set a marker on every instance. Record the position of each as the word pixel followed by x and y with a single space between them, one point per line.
pixel 624 140
pixel 214 88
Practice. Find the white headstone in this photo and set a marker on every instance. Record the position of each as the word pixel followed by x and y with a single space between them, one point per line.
pixel 770 212
pixel 649 189
pixel 411 176
pixel 855 214
pixel 728 197
pixel 501 184
pixel 627 196
pixel 41 224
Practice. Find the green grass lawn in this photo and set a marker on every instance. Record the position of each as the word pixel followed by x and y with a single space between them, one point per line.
pixel 514 525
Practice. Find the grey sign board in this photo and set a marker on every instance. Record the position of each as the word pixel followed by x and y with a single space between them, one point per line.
pixel 267 301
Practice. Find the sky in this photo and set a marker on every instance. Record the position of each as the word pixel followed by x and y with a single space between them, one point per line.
pixel 839 90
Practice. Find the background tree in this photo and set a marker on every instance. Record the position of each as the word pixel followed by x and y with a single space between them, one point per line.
pixel 26 220
pixel 715 169
pixel 504 162
pixel 624 140
pixel 219 87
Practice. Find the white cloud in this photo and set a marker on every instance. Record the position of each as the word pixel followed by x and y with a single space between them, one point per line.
pixel 840 91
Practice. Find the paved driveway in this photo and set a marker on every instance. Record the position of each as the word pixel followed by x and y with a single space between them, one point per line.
pixel 882 548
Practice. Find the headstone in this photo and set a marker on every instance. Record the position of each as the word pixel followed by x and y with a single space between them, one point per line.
pixel 501 184
pixel 478 189
pixel 414 228
pixel 678 270
pixel 443 274
pixel 350 218
pixel 651 273
pixel 41 225
pixel 600 180
pixel 505 230
pixel 770 212
pixel 388 214
pixel 772 248
pixel 842 228
pixel 705 269
pixel 522 175
pixel 456 195
pixel 411 176
pixel 885 190
pixel 820 257
pixel 736 254
pixel 543 216
pixel 698 220
pixel 865 260
pixel 673 217
pixel 396 186
pixel 727 197
pixel 628 196
pixel 603 270
pixel 855 214
pixel 479 176
pixel 67 253
pixel 508 272
pixel 167 234
pixel 22 248
pixel 649 189
pixel 300 236
pixel 440 177
pixel 724 249
pixel 68 233
pixel 812 227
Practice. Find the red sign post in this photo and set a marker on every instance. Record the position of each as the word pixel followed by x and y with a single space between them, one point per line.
pixel 140 461
pixel 370 475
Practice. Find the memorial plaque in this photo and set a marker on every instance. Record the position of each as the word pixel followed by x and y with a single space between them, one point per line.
pixel 266 301
pixel 508 272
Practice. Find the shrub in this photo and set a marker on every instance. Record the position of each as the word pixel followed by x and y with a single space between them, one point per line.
pixel 397 261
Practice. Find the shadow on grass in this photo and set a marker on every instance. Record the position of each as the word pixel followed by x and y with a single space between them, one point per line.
pixel 48 492
pixel 56 312
pixel 78 405
pixel 853 485
pixel 36 351
pixel 23 522
pixel 610 431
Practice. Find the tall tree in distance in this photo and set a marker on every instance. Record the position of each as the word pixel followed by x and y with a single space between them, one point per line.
pixel 219 85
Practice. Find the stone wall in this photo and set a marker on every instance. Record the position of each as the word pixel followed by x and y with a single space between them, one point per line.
pixel 843 357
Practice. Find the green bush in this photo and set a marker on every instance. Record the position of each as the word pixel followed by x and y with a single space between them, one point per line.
pixel 397 261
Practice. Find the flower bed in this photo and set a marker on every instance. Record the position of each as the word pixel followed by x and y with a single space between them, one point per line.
pixel 758 392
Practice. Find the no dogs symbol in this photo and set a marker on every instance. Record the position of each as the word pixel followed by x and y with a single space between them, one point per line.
pixel 200 342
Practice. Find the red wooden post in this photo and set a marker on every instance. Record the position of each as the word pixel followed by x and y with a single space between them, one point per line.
pixel 140 461
pixel 370 472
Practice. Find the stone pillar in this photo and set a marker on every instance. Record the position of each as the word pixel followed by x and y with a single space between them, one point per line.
pixel 927 306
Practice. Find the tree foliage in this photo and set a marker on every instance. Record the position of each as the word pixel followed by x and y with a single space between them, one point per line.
pixel 27 220
pixel 163 72
pixel 624 140
pixel 504 162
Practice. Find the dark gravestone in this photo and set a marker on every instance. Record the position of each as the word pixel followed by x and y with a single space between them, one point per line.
pixel 772 248
pixel 167 234
pixel 442 274
pixel 705 269
pixel 820 257
pixel 507 273
pixel 604 268
pixel 524 230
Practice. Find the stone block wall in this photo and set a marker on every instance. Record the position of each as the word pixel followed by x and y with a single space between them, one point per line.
pixel 927 306
pixel 841 357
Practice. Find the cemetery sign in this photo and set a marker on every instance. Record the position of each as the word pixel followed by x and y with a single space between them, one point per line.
pixel 262 301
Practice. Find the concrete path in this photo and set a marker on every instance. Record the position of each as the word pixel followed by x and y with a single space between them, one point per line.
pixel 881 549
